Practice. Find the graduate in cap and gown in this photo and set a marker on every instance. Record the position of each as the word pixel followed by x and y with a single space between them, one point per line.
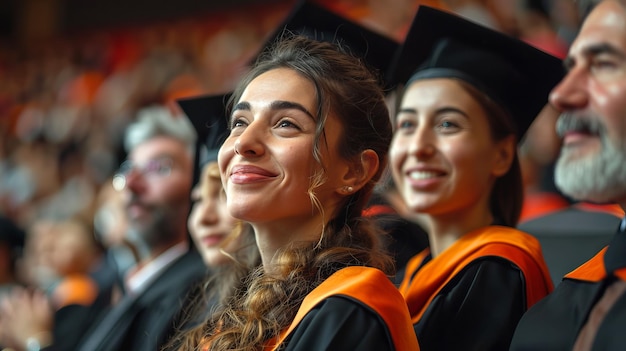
pixel 469 95
pixel 402 236
pixel 309 134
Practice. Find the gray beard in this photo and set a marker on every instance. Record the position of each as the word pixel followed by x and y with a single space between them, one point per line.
pixel 158 230
pixel 597 178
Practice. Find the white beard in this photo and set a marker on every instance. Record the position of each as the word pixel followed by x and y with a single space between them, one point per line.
pixel 599 178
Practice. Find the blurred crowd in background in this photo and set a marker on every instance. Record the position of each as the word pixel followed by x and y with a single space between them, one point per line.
pixel 65 101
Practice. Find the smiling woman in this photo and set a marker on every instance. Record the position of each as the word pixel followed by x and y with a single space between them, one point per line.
pixel 291 170
pixel 271 150
pixel 453 158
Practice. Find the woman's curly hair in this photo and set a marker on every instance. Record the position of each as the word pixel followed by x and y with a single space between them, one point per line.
pixel 263 305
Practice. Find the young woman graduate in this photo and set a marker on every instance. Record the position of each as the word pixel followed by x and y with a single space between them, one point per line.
pixel 453 158
pixel 309 138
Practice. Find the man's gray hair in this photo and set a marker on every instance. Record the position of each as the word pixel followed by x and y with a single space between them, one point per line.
pixel 154 121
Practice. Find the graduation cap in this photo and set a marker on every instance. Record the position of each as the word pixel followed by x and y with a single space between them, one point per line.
pixel 516 75
pixel 316 22
pixel 207 114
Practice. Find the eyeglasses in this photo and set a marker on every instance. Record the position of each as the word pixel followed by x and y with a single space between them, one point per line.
pixel 155 168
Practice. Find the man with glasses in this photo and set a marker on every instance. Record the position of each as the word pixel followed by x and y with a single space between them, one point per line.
pixel 156 181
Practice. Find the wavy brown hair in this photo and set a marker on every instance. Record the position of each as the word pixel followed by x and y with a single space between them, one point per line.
pixel 261 306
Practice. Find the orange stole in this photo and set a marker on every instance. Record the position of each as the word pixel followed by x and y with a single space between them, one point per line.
pixel 75 289
pixel 518 247
pixel 369 286
pixel 593 270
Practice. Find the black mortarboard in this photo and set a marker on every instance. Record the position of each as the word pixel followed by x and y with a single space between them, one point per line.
pixel 207 113
pixel 516 75
pixel 316 22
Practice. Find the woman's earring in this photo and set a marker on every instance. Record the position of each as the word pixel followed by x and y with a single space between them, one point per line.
pixel 348 189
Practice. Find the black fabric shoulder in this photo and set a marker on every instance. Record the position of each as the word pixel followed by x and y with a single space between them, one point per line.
pixel 340 323
pixel 477 310
pixel 554 322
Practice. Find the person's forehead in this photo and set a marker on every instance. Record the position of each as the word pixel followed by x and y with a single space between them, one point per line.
pixel 159 146
pixel 605 24
pixel 280 84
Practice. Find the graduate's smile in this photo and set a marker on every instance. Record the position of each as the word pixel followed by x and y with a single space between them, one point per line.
pixel 247 174
pixel 267 161
pixel 423 178
pixel 214 239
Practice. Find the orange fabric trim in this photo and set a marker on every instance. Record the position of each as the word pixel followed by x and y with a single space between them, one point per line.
pixel 410 269
pixel 75 290
pixel 374 289
pixel 592 270
pixel 518 247
pixel 376 210
pixel 621 274
pixel 613 209
pixel 540 204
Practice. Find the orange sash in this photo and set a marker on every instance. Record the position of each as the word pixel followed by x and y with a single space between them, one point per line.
pixel 75 289
pixel 518 247
pixel 369 286
pixel 593 270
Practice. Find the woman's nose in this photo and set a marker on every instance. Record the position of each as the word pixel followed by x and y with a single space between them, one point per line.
pixel 422 145
pixel 250 142
pixel 209 213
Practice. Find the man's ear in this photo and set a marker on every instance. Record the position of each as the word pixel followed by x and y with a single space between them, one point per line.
pixel 360 172
pixel 505 154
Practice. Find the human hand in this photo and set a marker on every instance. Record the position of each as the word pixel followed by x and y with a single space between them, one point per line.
pixel 25 317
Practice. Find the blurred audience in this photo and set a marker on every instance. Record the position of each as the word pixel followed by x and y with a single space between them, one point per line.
pixel 61 288
pixel 537 28
pixel 66 103
pixel 11 244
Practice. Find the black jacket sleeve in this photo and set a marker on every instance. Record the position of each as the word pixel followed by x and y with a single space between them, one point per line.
pixel 340 323
pixel 477 310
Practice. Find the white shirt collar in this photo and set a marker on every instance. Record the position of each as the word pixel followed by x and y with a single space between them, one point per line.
pixel 137 281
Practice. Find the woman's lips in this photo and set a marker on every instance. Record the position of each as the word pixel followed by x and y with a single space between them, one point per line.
pixel 424 178
pixel 212 240
pixel 249 174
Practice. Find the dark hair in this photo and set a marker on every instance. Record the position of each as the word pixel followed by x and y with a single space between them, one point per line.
pixel 507 194
pixel 263 305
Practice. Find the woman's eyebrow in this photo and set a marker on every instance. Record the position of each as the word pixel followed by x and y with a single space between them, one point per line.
pixel 288 105
pixel 242 106
pixel 276 105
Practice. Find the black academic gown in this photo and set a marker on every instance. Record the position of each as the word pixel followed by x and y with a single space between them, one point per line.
pixel 147 321
pixel 357 308
pixel 403 239
pixel 472 295
pixel 571 236
pixel 339 323
pixel 554 322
